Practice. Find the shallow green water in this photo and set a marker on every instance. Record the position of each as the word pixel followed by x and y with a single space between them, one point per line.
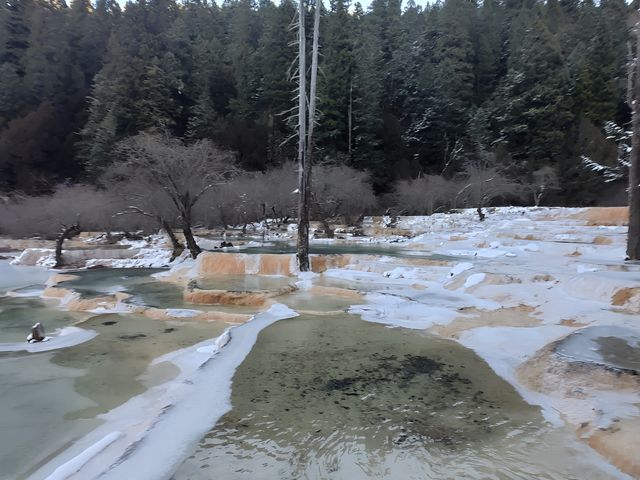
pixel 91 283
pixel 346 248
pixel 48 400
pixel 334 397
pixel 19 314
pixel 319 396
pixel 54 397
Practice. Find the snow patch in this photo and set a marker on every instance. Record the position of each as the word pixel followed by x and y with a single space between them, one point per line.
pixel 63 338
pixel 474 279
pixel 72 466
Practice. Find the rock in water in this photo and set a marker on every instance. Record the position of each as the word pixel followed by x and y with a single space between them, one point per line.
pixel 37 333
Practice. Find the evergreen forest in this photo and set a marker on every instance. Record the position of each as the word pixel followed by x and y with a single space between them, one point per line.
pixel 404 91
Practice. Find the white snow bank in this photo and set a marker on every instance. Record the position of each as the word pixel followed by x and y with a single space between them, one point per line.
pixel 72 466
pixel 182 312
pixel 43 257
pixel 474 279
pixel 459 268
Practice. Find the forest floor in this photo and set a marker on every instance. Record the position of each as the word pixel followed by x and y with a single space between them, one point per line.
pixel 543 295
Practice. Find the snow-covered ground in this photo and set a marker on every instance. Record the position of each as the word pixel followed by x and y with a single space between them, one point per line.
pixel 518 282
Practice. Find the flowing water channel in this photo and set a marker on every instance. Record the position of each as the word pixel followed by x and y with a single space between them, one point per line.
pixel 321 396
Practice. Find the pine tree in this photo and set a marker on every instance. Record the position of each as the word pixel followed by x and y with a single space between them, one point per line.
pixel 534 109
pixel 336 83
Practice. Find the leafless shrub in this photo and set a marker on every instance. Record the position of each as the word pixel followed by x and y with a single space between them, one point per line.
pixel 540 183
pixel 340 191
pixel 424 195
pixel 93 209
pixel 251 196
pixel 484 182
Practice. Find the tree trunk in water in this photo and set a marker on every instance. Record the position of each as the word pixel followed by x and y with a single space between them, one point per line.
pixel 633 235
pixel 178 248
pixel 67 233
pixel 193 247
pixel 303 194
pixel 327 228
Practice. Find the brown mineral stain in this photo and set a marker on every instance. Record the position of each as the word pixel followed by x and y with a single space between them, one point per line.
pixel 225 297
pixel 602 241
pixel 622 296
pixel 607 216
pixel 619 444
pixel 519 316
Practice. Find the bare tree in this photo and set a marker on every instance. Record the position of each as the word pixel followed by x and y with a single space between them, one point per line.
pixel 340 191
pixel 181 172
pixel 633 98
pixel 93 208
pixel 483 182
pixel 303 181
pixel 424 195
pixel 67 233
pixel 542 181
pixel 305 145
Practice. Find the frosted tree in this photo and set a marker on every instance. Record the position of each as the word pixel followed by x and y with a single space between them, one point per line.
pixel 620 171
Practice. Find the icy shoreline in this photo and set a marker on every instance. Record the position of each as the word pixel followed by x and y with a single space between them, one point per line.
pixel 181 410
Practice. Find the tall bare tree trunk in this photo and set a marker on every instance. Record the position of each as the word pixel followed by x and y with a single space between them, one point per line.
pixel 303 193
pixel 633 235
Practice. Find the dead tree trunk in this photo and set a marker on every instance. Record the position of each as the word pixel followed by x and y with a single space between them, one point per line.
pixel 66 233
pixel 303 194
pixel 189 239
pixel 633 235
pixel 177 247
pixel 327 228
pixel 305 190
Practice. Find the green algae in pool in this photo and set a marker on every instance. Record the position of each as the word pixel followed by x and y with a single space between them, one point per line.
pixel 334 397
pixel 116 359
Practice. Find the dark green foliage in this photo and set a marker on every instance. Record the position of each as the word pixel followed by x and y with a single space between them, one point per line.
pixel 403 91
